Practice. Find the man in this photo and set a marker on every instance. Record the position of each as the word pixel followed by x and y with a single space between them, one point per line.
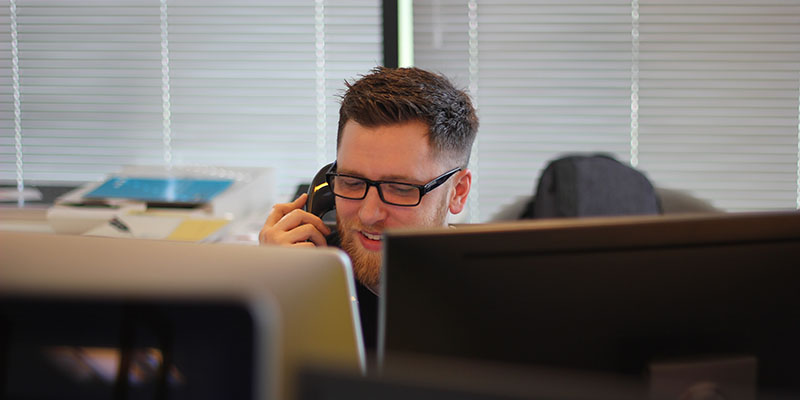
pixel 403 145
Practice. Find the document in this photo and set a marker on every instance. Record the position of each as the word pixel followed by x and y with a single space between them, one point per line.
pixel 162 225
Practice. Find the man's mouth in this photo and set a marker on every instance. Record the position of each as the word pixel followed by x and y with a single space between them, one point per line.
pixel 370 241
pixel 371 236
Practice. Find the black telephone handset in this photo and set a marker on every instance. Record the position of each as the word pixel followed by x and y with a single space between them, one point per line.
pixel 320 198
pixel 321 201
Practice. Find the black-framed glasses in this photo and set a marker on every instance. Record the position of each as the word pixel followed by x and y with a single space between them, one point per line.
pixel 394 193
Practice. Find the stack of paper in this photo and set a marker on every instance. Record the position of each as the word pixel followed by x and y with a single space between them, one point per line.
pixel 162 225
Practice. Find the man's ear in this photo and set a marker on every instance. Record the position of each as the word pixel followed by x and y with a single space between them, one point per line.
pixel 459 192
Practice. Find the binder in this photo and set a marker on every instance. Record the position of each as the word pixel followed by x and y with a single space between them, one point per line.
pixel 171 190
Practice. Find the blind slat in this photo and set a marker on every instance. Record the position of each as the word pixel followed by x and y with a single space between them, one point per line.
pixel 717 91
pixel 241 82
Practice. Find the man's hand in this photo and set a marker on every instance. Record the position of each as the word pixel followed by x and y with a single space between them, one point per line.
pixel 288 225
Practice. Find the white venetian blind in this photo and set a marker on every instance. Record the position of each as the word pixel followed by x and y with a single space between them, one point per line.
pixel 354 45
pixel 715 83
pixel 7 130
pixel 552 77
pixel 719 99
pixel 89 82
pixel 247 83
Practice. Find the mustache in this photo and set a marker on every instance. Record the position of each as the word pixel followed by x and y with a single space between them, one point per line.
pixel 358 226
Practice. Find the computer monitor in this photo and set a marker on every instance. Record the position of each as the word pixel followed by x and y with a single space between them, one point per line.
pixel 685 303
pixel 436 378
pixel 93 317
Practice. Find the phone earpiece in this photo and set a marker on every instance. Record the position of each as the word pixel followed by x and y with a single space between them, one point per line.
pixel 320 197
pixel 322 203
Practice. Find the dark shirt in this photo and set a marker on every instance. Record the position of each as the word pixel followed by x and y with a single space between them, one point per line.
pixel 368 311
pixel 367 306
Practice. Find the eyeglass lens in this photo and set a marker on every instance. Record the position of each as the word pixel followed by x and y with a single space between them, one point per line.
pixel 394 193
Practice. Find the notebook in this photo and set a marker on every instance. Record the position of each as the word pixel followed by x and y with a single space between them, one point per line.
pixel 161 190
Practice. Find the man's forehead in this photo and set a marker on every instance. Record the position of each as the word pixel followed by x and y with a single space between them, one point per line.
pixel 390 152
pixel 410 137
pixel 402 172
pixel 415 128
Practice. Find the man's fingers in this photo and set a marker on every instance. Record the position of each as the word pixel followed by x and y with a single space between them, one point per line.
pixel 280 210
pixel 300 201
pixel 302 234
pixel 299 234
pixel 296 218
pixel 289 226
pixel 304 244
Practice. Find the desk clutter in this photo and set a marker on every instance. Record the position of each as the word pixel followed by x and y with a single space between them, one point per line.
pixel 162 225
pixel 181 203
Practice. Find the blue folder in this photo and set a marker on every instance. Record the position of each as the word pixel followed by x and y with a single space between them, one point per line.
pixel 161 190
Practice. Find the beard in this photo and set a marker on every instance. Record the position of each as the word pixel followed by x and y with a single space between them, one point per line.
pixel 367 264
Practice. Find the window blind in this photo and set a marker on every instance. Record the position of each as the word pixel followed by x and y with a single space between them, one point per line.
pixel 89 82
pixel 552 77
pixel 243 83
pixel 719 99
pixel 8 154
pixel 700 95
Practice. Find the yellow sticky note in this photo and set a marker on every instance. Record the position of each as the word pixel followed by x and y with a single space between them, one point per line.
pixel 193 230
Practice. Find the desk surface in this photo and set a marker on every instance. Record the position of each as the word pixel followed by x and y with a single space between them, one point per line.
pixel 33 218
pixel 27 219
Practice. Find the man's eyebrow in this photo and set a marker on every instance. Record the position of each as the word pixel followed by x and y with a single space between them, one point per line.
pixel 396 178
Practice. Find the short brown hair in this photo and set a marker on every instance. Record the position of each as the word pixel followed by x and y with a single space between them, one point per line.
pixel 388 96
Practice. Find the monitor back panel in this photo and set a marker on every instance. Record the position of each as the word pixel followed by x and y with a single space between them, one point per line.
pixel 620 295
pixel 79 348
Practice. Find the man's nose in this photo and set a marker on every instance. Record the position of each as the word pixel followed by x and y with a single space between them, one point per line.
pixel 372 210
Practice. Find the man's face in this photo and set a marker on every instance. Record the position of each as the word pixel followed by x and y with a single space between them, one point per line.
pixel 398 153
